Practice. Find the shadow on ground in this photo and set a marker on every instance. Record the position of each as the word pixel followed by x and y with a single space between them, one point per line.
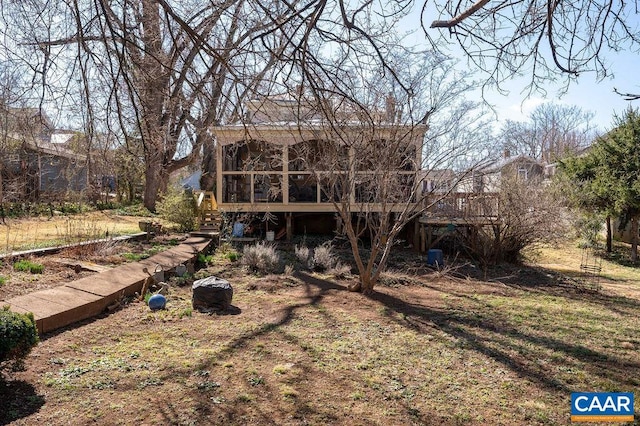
pixel 535 279
pixel 19 399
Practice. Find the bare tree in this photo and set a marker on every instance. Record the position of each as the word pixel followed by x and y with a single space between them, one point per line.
pixel 21 128
pixel 552 131
pixel 373 157
pixel 160 73
pixel 151 72
pixel 526 213
pixel 540 38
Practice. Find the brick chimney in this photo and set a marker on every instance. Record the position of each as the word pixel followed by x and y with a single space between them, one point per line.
pixel 390 108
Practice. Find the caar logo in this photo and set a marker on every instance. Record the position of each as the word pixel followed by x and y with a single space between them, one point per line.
pixel 601 407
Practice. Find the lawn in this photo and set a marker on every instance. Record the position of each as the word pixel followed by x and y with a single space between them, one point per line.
pixel 37 232
pixel 426 348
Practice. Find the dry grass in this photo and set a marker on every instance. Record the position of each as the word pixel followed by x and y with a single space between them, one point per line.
pixel 23 234
pixel 436 350
pixel 617 274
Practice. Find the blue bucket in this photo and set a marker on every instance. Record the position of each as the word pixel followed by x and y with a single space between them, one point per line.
pixel 435 258
pixel 238 230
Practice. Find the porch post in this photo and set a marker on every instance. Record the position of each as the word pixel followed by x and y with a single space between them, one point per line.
pixel 289 219
pixel 285 174
pixel 219 172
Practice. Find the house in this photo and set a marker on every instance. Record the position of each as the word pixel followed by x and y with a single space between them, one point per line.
pixel 472 199
pixel 58 169
pixel 37 160
pixel 489 177
pixel 270 162
pixel 438 181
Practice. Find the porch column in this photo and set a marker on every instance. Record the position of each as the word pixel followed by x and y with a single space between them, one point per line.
pixel 218 172
pixel 289 218
pixel 285 176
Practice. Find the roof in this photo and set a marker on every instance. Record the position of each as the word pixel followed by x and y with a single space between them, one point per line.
pixel 503 162
pixel 286 110
pixel 439 173
pixel 289 121
pixel 59 136
pixel 55 150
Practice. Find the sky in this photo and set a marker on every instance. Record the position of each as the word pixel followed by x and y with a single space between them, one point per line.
pixel 587 92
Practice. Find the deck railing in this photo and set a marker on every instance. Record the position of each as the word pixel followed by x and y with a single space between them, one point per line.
pixel 462 205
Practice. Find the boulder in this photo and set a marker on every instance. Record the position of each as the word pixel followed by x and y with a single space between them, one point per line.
pixel 212 294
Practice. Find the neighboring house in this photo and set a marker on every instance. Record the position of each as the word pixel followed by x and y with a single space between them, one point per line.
pixel 490 177
pixel 440 181
pixel 260 167
pixel 625 235
pixel 58 169
pixel 551 168
pixel 475 194
pixel 191 181
pixel 36 160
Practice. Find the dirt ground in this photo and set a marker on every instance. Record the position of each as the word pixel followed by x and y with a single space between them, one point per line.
pixel 75 263
pixel 429 347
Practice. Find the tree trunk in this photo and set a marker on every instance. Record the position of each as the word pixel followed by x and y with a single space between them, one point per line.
pixel 152 83
pixel 366 285
pixel 609 237
pixel 634 239
pixel 208 178
pixel 156 181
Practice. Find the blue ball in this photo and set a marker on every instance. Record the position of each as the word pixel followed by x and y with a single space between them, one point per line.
pixel 157 301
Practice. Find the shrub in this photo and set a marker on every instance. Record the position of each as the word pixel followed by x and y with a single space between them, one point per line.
pixel 204 259
pixel 261 258
pixel 179 208
pixel 28 266
pixel 134 257
pixel 288 270
pixel 227 251
pixel 323 258
pixel 3 280
pixel 137 209
pixel 302 254
pixel 340 271
pixel 526 215
pixel 18 334
pixel 588 227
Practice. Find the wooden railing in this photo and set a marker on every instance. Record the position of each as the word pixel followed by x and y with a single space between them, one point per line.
pixel 461 205
pixel 206 201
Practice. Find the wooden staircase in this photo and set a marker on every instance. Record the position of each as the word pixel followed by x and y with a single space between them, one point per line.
pixel 210 217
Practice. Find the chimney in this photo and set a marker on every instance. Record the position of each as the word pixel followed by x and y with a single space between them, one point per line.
pixel 390 106
pixel 506 153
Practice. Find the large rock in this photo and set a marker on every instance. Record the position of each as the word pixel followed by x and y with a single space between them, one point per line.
pixel 212 294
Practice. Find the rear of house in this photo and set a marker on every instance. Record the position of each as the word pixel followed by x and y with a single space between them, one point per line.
pixel 285 159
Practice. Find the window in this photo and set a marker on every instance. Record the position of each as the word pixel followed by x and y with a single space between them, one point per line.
pixel 267 188
pixel 303 188
pixel 523 173
pixel 252 155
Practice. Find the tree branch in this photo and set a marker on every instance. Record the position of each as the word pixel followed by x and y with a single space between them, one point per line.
pixel 461 17
pixel 627 96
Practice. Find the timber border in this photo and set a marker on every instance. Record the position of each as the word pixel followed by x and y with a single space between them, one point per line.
pixel 87 297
